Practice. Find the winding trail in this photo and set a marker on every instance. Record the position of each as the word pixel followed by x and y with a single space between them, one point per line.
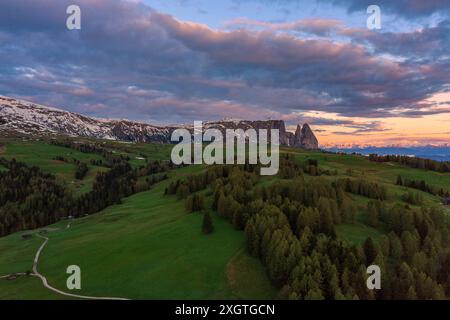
pixel 12 275
pixel 44 279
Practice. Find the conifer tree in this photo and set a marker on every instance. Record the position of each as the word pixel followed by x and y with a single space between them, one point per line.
pixel 370 250
pixel 207 225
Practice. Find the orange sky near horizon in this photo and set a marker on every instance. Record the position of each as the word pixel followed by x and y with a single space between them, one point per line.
pixel 431 129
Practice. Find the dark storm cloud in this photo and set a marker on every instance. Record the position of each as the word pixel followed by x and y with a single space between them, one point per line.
pixel 131 61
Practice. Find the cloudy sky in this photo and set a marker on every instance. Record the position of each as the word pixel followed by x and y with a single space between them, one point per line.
pixel 176 61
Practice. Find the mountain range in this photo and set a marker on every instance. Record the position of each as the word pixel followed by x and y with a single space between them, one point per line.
pixel 438 153
pixel 19 117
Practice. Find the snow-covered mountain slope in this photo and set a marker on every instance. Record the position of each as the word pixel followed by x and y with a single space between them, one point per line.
pixel 26 118
pixel 31 119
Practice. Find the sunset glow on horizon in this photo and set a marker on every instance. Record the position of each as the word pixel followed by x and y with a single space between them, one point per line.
pixel 175 61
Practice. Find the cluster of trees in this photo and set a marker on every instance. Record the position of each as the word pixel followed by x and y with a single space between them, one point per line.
pixel 108 189
pixel 311 167
pixel 312 266
pixel 62 159
pixel 110 158
pixel 291 227
pixel 96 162
pixel 422 185
pixel 195 203
pixel 289 169
pixel 364 188
pixel 154 167
pixel 119 182
pixel 417 246
pixel 245 175
pixel 81 168
pixel 146 184
pixel 193 183
pixel 81 171
pixel 183 188
pixel 413 162
pixel 207 224
pixel 79 146
pixel 29 198
pixel 414 198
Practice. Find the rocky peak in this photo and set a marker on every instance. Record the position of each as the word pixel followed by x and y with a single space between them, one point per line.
pixel 309 140
pixel 304 138
pixel 298 134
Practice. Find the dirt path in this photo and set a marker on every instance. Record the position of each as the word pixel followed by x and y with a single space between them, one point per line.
pixel 44 279
pixel 12 275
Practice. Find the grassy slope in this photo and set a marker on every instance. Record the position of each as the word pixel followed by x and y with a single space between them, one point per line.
pixel 42 154
pixel 148 247
pixel 17 254
pixel 26 288
pixel 381 173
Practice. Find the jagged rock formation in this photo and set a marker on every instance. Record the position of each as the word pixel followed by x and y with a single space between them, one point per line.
pixel 25 118
pixel 305 138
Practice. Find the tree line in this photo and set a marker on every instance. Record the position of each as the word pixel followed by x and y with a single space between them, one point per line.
pixel 413 162
pixel 422 185
pixel 290 226
pixel 30 198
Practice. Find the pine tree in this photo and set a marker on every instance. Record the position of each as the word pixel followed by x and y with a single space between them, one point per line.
pixel 182 191
pixel 223 205
pixel 370 250
pixel 373 215
pixel 207 225
pixel 395 246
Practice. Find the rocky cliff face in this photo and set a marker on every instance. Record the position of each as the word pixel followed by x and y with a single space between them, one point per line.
pixel 257 125
pixel 25 118
pixel 305 138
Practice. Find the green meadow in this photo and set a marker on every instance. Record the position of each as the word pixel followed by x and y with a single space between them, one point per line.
pixel 148 247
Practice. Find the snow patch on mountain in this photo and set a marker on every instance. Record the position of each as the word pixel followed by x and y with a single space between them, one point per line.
pixel 27 118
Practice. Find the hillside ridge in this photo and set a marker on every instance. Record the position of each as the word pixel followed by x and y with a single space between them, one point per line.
pixel 27 118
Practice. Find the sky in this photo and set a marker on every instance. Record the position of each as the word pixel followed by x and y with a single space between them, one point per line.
pixel 177 61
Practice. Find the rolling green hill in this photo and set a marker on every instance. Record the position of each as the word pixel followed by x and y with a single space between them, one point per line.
pixel 148 247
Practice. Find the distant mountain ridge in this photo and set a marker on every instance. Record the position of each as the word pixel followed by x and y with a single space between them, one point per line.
pixel 438 153
pixel 26 118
